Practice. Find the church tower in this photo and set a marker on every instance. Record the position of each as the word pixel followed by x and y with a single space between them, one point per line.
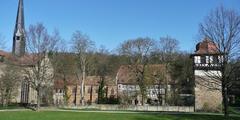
pixel 19 32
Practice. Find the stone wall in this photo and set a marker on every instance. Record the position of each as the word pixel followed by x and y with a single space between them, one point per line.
pixel 71 94
pixel 89 96
pixel 137 108
pixel 208 96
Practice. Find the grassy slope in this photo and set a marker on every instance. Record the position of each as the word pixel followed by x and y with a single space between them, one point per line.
pixel 235 110
pixel 100 116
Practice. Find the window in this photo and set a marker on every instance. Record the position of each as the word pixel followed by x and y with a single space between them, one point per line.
pixel 203 59
pixel 197 59
pixel 215 59
pixel 211 59
pixel 220 59
pixel 207 59
pixel 17 37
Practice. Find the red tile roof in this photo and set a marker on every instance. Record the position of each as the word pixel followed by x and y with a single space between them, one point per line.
pixel 206 47
pixel 126 76
pixel 90 80
pixel 28 59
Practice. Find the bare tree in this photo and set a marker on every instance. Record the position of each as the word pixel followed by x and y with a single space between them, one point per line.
pixel 156 76
pixel 40 73
pixel 9 80
pixel 103 69
pixel 168 47
pixel 82 46
pixel 138 51
pixel 181 73
pixel 166 51
pixel 222 27
pixel 64 66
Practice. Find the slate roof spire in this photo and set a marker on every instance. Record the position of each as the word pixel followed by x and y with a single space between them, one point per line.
pixel 19 32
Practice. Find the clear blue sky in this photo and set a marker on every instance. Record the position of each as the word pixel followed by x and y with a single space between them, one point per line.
pixel 109 22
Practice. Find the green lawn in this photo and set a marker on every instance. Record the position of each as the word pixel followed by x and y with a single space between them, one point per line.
pixel 29 115
pixel 235 110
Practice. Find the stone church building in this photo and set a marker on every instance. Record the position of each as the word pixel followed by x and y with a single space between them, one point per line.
pixel 18 57
pixel 25 94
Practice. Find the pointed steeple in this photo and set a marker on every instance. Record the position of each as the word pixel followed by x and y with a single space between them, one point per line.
pixel 19 32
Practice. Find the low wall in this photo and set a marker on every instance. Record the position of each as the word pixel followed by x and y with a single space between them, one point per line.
pixel 137 108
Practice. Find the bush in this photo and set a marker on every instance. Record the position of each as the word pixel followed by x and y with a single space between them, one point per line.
pixel 207 108
pixel 237 102
pixel 11 106
pixel 111 100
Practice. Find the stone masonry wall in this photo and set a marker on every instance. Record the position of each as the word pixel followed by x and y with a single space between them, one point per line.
pixel 206 98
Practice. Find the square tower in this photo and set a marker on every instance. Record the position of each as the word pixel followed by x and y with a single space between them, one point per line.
pixel 206 66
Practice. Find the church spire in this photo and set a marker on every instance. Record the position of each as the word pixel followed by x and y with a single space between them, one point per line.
pixel 19 32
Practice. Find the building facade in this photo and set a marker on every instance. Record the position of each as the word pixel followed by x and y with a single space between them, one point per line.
pixel 129 89
pixel 71 93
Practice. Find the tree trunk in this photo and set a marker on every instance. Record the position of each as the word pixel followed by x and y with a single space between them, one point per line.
pixel 224 90
pixel 82 86
pixel 65 96
pixel 2 100
pixel 8 98
pixel 38 99
pixel 166 93
pixel 166 87
pixel 142 91
pixel 91 92
pixel 65 91
pixel 225 102
pixel 143 99
pixel 75 95
pixel 106 92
